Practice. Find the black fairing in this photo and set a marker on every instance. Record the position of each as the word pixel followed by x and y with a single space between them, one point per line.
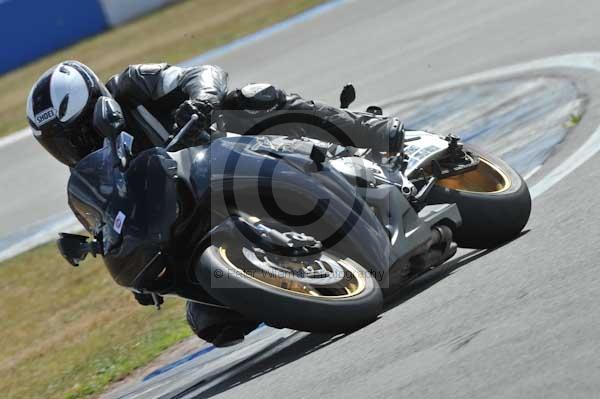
pixel 271 178
pixel 145 197
pixel 275 179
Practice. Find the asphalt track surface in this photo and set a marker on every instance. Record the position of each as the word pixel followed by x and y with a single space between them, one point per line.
pixel 518 321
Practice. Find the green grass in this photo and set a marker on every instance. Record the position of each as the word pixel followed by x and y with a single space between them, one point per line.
pixel 69 332
pixel 574 120
pixel 173 34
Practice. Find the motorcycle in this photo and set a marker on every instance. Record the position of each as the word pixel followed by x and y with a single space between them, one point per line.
pixel 296 233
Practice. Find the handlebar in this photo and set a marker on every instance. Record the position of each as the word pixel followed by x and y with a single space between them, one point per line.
pixel 184 132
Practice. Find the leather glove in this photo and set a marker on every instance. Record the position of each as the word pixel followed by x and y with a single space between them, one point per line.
pixel 203 109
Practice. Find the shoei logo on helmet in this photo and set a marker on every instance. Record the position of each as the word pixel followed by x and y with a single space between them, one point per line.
pixel 45 116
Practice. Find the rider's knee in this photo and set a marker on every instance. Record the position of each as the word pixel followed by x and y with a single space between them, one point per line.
pixel 256 97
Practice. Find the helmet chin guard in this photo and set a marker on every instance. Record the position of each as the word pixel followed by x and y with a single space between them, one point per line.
pixel 59 110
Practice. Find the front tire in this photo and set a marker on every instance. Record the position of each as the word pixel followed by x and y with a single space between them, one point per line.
pixel 493 200
pixel 283 302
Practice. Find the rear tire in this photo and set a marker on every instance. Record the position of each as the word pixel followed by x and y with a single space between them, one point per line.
pixel 489 218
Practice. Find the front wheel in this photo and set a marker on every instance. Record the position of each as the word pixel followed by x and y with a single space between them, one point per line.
pixel 493 200
pixel 323 293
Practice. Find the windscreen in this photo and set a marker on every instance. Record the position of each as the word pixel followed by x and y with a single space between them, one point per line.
pixel 137 204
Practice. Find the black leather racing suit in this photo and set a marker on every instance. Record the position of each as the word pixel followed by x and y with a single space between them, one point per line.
pixel 162 88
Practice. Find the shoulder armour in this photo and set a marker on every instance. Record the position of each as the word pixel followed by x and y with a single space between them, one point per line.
pixel 141 83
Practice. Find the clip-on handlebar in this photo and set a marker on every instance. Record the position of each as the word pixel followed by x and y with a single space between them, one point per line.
pixel 184 132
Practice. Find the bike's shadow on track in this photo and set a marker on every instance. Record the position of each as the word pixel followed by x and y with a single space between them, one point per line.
pixel 313 342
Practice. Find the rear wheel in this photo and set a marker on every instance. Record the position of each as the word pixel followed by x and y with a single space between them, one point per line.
pixel 493 200
pixel 320 293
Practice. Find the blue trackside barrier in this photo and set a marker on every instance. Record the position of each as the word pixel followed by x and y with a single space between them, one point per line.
pixel 30 29
pixel 33 28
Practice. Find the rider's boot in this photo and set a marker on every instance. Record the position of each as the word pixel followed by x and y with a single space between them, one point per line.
pixel 396 136
pixel 219 326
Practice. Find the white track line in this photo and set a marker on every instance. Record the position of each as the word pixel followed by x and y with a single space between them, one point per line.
pixel 589 61
pixel 14 137
pixel 68 224
pixel 575 160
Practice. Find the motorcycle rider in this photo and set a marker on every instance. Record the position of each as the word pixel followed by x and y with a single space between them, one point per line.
pixel 60 109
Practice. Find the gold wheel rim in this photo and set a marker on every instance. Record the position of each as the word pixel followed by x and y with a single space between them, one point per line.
pixel 486 178
pixel 355 284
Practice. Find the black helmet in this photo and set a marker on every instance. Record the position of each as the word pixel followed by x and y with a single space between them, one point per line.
pixel 60 108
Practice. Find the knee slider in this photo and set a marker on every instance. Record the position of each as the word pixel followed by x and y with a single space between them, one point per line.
pixel 257 97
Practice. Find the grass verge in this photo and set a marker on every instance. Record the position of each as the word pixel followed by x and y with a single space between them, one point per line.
pixel 69 332
pixel 173 34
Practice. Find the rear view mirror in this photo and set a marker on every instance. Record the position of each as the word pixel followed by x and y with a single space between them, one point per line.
pixel 74 248
pixel 108 118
